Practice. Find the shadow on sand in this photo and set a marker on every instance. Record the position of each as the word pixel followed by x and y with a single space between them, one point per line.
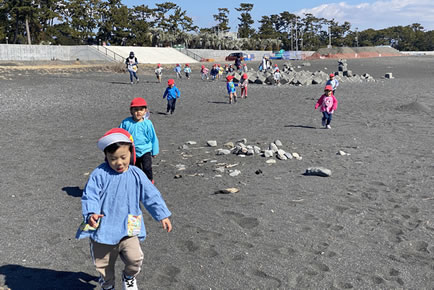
pixel 19 277
pixel 300 126
pixel 73 191
pixel 217 102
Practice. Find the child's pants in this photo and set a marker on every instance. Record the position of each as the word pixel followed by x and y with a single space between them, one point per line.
pixel 104 257
pixel 244 92
pixel 327 118
pixel 132 73
pixel 144 162
pixel 171 106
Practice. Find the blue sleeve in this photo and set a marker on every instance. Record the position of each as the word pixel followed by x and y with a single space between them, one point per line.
pixel 165 93
pixel 90 201
pixel 155 142
pixel 153 201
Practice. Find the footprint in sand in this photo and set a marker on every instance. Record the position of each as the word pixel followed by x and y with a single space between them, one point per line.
pixel 167 275
pixel 276 282
pixel 243 221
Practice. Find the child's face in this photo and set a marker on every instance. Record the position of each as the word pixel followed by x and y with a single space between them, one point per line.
pixel 171 85
pixel 120 159
pixel 328 93
pixel 138 113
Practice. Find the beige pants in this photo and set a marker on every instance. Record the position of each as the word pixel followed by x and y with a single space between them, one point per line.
pixel 104 257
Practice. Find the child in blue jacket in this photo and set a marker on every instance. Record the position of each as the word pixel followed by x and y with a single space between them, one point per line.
pixel 111 210
pixel 144 136
pixel 232 91
pixel 172 93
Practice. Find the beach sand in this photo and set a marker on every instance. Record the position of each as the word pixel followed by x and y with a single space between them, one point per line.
pixel 368 226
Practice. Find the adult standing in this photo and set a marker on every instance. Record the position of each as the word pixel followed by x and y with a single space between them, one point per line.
pixel 132 66
pixel 238 63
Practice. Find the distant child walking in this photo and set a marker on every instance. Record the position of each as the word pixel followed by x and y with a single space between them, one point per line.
pixel 243 85
pixel 328 105
pixel 204 72
pixel 172 93
pixel 178 71
pixel 159 72
pixel 132 67
pixel 144 136
pixel 277 76
pixel 232 91
pixel 187 71
pixel 112 217
pixel 332 82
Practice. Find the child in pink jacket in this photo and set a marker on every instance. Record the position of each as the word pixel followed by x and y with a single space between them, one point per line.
pixel 328 104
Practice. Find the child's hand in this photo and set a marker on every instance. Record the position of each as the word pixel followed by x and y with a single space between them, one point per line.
pixel 93 220
pixel 167 225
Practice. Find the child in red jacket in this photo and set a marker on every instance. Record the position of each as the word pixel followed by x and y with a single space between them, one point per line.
pixel 328 104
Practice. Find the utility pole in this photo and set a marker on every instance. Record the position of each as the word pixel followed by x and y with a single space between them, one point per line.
pixel 357 37
pixel 330 37
pixel 296 36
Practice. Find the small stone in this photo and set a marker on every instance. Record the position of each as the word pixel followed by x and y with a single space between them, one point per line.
pixel 234 173
pixel 243 140
pixel 220 169
pixel 318 171
pixel 227 190
pixel 180 166
pixel 270 161
pixel 242 155
pixel 268 153
pixel 259 171
pixel 256 149
pixel 177 176
pixel 342 153
pixel 250 152
pixel 296 156
pixel 388 76
pixel 273 147
pixel 278 143
pixel 229 145
pixel 218 176
pixel 191 142
pixel 280 154
pixel 223 151
pixel 212 143
pixel 184 147
pixel 288 155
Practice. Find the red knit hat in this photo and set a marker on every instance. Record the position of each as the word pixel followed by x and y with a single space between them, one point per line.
pixel 158 65
pixel 202 66
pixel 138 102
pixel 245 76
pixel 332 75
pixel 229 78
pixel 187 64
pixel 117 135
pixel 328 88
pixel 170 82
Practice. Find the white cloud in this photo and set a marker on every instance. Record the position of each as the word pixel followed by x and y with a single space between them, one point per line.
pixel 378 14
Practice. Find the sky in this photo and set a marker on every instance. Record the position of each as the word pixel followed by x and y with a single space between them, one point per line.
pixel 361 14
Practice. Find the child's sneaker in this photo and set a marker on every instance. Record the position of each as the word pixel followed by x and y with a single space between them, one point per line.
pixel 137 80
pixel 129 283
pixel 323 122
pixel 329 127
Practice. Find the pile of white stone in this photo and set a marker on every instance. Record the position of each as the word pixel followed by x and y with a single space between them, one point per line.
pixel 289 76
pixel 242 149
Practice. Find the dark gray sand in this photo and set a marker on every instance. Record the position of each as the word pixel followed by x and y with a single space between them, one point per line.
pixel 367 226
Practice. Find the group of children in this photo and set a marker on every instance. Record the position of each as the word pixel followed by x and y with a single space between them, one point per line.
pixel 112 217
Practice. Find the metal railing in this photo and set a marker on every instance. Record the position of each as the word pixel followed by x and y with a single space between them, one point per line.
pixel 190 54
pixel 109 53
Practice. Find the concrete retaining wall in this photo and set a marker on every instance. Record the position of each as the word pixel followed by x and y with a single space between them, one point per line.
pixel 220 55
pixel 22 52
pixel 418 52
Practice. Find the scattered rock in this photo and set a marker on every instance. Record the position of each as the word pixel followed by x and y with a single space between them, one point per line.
pixel 220 169
pixel 212 143
pixel 229 145
pixel 318 171
pixel 234 173
pixel 184 147
pixel 296 156
pixel 288 155
pixel 273 147
pixel 177 176
pixel 342 153
pixel 227 190
pixel 280 154
pixel 180 166
pixel 243 140
pixel 223 151
pixel 191 142
pixel 256 149
pixel 388 76
pixel 259 171
pixel 268 153
pixel 278 143
pixel 270 161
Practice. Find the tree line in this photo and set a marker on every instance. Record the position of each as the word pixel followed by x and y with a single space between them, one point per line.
pixel 75 22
